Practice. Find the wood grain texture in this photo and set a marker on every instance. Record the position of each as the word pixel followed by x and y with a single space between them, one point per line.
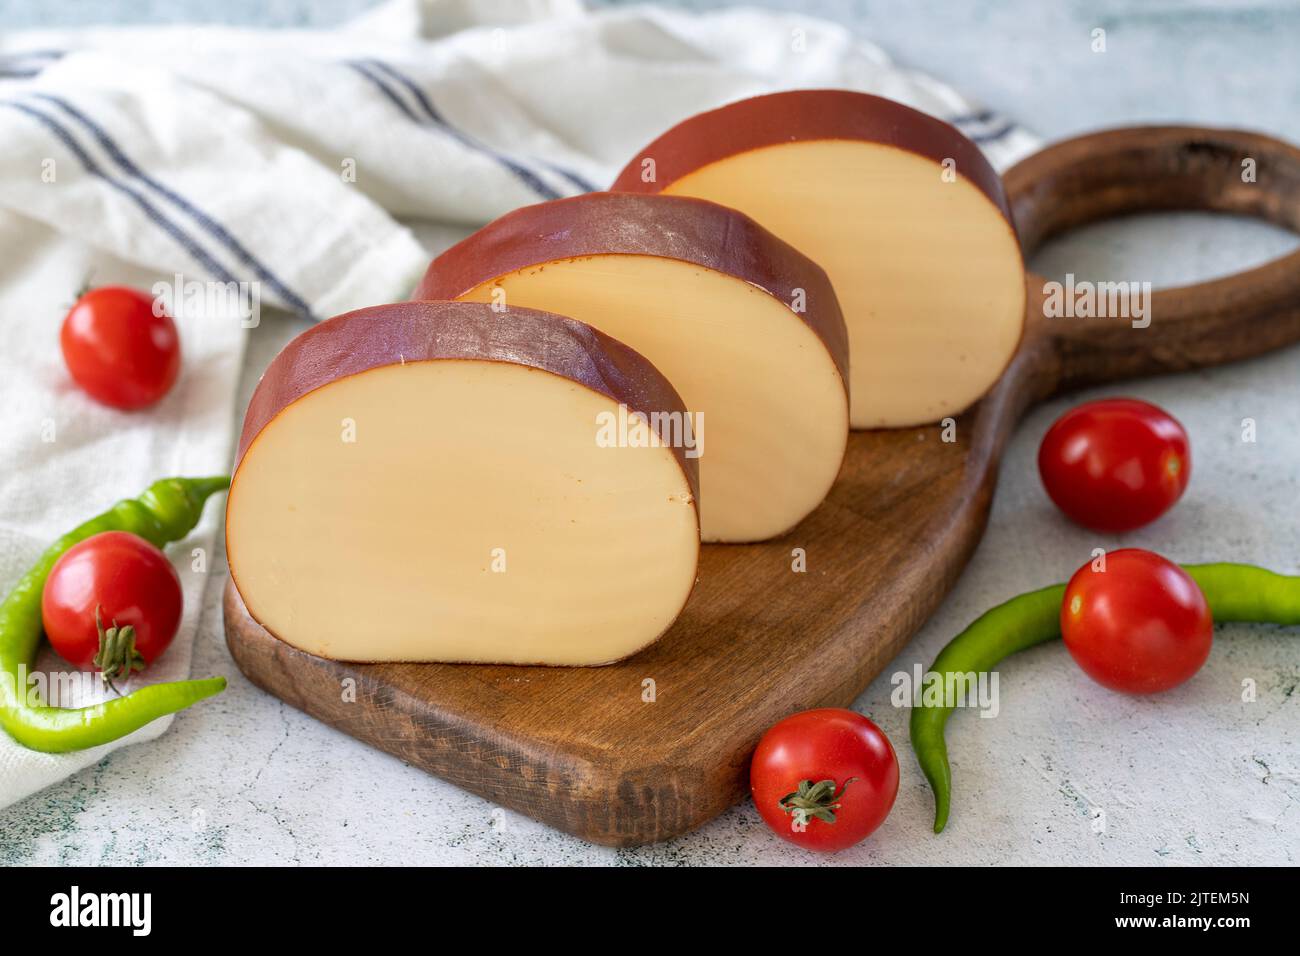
pixel 579 748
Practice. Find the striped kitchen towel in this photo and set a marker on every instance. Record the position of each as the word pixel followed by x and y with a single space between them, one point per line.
pixel 303 163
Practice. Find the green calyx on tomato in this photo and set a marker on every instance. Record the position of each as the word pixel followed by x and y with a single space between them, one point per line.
pixel 117 656
pixel 817 747
pixel 117 576
pixel 814 800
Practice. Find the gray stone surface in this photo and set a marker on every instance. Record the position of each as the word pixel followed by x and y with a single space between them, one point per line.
pixel 1194 776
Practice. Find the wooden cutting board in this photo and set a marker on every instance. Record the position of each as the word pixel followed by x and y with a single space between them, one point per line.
pixel 594 752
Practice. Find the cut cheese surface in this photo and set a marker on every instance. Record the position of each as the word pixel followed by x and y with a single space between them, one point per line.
pixel 448 502
pixel 764 384
pixel 926 266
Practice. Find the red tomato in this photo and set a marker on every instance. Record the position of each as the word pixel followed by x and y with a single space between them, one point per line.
pixel 118 349
pixel 1115 464
pixel 129 582
pixel 1140 626
pixel 841 763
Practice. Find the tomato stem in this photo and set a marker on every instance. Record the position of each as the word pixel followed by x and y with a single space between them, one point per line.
pixel 117 656
pixel 817 800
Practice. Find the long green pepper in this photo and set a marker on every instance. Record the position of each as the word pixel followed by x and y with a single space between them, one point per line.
pixel 1235 592
pixel 167 511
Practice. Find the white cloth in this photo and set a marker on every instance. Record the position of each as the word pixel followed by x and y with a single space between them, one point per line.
pixel 299 160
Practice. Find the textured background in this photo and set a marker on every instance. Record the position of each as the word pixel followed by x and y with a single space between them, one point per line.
pixel 1195 776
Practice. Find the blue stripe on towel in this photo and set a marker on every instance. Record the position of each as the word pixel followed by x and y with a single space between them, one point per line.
pixel 383 88
pixel 197 252
pixel 371 68
pixel 33 55
pixel 981 116
pixel 209 224
pixel 423 99
pixel 994 135
pixel 1001 126
pixel 433 114
pixel 585 185
pixel 24 64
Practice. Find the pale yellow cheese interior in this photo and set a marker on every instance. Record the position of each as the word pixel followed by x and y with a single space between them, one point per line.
pixel 773 403
pixel 391 547
pixel 928 272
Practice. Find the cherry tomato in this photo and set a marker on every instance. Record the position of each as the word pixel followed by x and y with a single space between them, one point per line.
pixel 118 349
pixel 824 779
pixel 1140 626
pixel 1115 464
pixel 128 582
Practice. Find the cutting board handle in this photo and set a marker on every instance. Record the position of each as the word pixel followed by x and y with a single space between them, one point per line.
pixel 1151 169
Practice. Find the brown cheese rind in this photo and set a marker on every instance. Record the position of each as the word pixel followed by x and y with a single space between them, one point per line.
pixel 804 116
pixel 673 227
pixel 427 331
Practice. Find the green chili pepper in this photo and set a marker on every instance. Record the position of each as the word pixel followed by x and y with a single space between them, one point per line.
pixel 1235 592
pixel 167 511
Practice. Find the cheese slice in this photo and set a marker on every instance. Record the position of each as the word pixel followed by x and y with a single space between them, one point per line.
pixel 904 213
pixel 745 327
pixel 426 482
